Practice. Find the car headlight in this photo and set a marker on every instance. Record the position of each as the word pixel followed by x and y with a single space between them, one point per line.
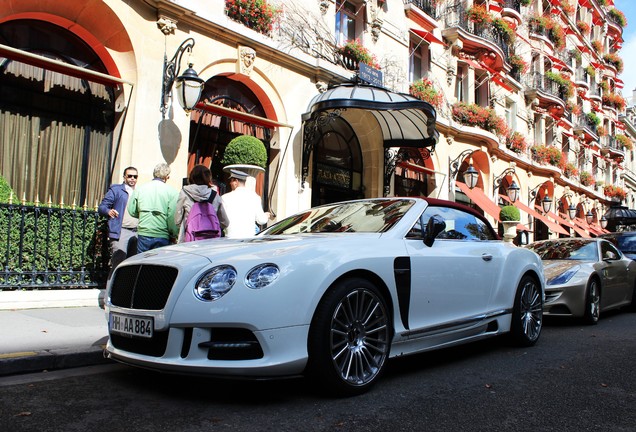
pixel 215 283
pixel 262 275
pixel 564 277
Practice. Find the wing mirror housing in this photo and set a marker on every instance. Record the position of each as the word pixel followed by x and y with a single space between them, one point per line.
pixel 609 256
pixel 434 226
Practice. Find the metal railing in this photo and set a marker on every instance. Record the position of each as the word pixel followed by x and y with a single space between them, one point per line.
pixel 540 82
pixel 49 247
pixel 513 4
pixel 429 7
pixel 456 16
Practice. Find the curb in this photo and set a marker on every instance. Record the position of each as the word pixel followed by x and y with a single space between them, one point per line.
pixel 27 362
pixel 10 300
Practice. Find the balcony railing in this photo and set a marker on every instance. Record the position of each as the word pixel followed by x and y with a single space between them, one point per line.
pixel 583 122
pixel 429 7
pixel 613 146
pixel 44 248
pixel 581 76
pixel 513 4
pixel 540 82
pixel 456 16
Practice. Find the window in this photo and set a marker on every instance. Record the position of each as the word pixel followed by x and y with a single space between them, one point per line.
pixel 347 19
pixel 461 84
pixel 419 61
pixel 482 88
pixel 511 114
pixel 460 225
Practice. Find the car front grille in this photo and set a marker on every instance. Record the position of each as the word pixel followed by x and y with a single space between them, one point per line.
pixel 142 286
pixel 154 346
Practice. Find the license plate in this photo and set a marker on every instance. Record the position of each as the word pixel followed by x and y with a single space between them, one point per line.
pixel 133 326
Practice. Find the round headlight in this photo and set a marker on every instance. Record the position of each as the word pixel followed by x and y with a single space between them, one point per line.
pixel 261 276
pixel 215 283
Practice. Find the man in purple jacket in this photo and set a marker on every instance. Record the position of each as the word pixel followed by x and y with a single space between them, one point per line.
pixel 122 228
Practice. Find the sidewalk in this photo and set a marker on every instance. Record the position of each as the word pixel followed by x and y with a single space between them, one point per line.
pixel 49 330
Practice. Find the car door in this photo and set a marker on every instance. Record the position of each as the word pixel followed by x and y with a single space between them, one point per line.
pixel 616 273
pixel 453 280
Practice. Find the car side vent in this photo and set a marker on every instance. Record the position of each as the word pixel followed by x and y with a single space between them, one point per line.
pixel 142 286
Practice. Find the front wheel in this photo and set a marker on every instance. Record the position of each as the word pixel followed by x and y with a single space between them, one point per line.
pixel 592 302
pixel 527 313
pixel 349 338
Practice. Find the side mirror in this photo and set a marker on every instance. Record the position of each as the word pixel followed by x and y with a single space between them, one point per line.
pixel 609 256
pixel 434 226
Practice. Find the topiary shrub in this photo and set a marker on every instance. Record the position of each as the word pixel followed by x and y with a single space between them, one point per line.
pixel 245 150
pixel 509 213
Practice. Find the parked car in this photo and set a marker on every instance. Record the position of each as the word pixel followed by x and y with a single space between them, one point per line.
pixel 585 277
pixel 331 292
pixel 624 241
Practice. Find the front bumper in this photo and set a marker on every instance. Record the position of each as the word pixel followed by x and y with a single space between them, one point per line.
pixel 565 300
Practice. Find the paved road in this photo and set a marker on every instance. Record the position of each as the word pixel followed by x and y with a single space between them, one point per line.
pixel 577 378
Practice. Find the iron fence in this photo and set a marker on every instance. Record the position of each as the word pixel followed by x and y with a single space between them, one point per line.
pixel 52 248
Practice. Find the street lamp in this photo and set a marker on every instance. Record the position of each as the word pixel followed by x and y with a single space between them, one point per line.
pixel 589 217
pixel 513 191
pixel 188 86
pixel 471 176
pixel 572 211
pixel 603 222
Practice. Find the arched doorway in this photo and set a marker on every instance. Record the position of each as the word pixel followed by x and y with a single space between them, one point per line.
pixel 57 129
pixel 337 169
pixel 412 177
pixel 211 132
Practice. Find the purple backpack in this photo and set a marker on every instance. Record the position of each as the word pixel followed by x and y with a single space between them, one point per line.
pixel 202 222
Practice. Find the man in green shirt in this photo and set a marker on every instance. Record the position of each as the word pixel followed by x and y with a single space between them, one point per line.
pixel 154 204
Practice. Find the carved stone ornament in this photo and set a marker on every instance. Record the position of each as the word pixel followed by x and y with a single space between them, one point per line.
pixel 247 57
pixel 324 6
pixel 166 25
pixel 376 29
pixel 322 86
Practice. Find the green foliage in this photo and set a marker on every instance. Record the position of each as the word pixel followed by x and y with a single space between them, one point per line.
pixel 5 190
pixel 509 213
pixel 245 149
pixel 593 118
pixel 36 240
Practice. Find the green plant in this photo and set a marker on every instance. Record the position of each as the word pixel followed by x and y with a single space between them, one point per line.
pixel 612 191
pixel 509 213
pixel 593 119
pixel 423 89
pixel 538 23
pixel 567 7
pixel 586 178
pixel 483 117
pixel 5 191
pixel 479 15
pixel 625 141
pixel 525 2
pixel 517 143
pixel 615 60
pixel 518 64
pixel 570 170
pixel 546 154
pixel 566 85
pixel 590 71
pixel 576 54
pixel 556 34
pixel 614 100
pixel 598 46
pixel 255 14
pixel 502 27
pixel 617 16
pixel 245 150
pixel 359 52
pixel 583 27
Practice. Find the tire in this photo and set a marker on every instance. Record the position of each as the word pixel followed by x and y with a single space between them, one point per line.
pixel 349 338
pixel 527 313
pixel 592 302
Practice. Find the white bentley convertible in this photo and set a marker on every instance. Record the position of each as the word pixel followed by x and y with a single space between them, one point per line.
pixel 332 293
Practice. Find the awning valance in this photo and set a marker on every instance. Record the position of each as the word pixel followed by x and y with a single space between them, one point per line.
pixel 428 36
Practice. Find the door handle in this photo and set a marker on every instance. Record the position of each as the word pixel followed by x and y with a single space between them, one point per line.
pixel 486 257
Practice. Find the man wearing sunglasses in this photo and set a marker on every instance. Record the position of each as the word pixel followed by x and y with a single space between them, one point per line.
pixel 122 227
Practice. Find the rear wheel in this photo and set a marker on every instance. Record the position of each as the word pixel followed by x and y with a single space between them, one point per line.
pixel 349 338
pixel 527 313
pixel 592 302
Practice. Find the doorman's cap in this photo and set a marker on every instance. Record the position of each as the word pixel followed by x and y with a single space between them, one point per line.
pixel 239 175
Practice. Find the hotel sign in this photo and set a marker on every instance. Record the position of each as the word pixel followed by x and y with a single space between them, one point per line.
pixel 370 75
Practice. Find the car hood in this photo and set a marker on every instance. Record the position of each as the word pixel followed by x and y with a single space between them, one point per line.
pixel 553 268
pixel 256 248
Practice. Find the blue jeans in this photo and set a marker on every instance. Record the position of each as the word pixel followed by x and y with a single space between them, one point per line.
pixel 146 243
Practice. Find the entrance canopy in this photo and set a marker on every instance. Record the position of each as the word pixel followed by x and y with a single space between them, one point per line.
pixel 620 218
pixel 403 120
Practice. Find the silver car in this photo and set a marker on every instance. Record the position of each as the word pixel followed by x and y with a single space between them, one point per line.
pixel 585 277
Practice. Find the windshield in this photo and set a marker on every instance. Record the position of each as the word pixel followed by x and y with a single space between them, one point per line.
pixel 375 216
pixel 583 250
pixel 626 243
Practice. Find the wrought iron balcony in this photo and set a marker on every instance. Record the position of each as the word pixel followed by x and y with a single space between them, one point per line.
pixel 456 16
pixel 538 81
pixel 612 147
pixel 427 6
pixel 581 77
pixel 585 126
pixel 513 4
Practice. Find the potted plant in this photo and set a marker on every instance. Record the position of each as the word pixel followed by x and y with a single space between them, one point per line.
pixel 423 89
pixel 245 153
pixel 255 14
pixel 355 50
pixel 509 216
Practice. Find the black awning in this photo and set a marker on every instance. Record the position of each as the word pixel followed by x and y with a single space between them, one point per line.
pixel 405 121
pixel 620 216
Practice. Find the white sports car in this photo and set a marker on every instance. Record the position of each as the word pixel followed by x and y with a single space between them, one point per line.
pixel 331 292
